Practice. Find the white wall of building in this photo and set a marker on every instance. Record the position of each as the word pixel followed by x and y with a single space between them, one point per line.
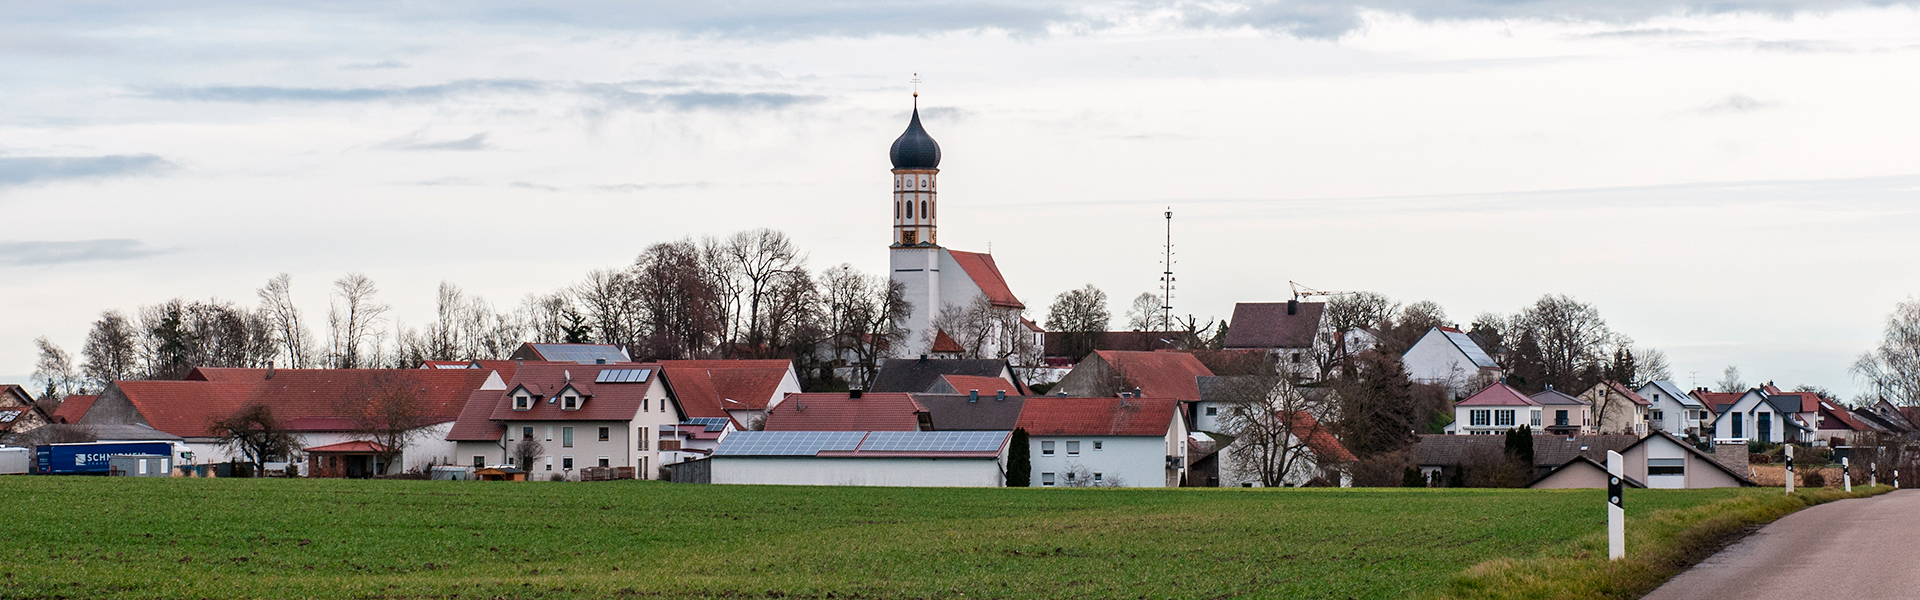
pixel 1137 460
pixel 1434 359
pixel 864 471
pixel 1534 417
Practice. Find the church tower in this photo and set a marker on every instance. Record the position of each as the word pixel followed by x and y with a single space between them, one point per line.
pixel 916 172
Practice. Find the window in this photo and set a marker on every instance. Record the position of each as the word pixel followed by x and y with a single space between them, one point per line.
pixel 566 462
pixel 1213 411
pixel 549 463
pixel 522 402
pixel 1666 466
pixel 526 433
pixel 604 431
pixel 1536 418
pixel 1046 448
pixel 643 440
pixel 479 461
pixel 1073 449
pixel 1560 418
pixel 1763 425
pixel 1046 479
pixel 1069 476
pixel 1096 445
pixel 1503 418
pixel 511 461
pixel 896 206
pixel 909 210
pixel 549 433
pixel 923 210
pixel 643 404
pixel 1659 415
pixel 571 402
pixel 1479 418
pixel 1739 428
pixel 603 461
pixel 1097 477
pixel 566 437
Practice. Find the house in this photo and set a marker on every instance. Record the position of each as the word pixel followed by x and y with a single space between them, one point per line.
pixel 344 460
pixel 1886 417
pixel 1447 356
pixel 1759 417
pixel 318 406
pixel 18 412
pixel 1210 444
pixel 1119 442
pixel 1564 415
pixel 1064 348
pixel 928 375
pixel 1440 458
pixel 863 458
pixel 849 411
pixel 1837 426
pixel 693 438
pixel 972 412
pixel 1286 330
pixel 584 354
pixel 1146 374
pixel 1617 409
pixel 1495 410
pixel 1673 411
pixel 743 390
pixel 1657 461
pixel 944 346
pixel 580 415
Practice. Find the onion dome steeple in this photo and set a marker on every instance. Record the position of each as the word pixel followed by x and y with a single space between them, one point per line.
pixel 915 149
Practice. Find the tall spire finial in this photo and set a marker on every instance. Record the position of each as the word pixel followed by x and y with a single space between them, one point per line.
pixel 916 90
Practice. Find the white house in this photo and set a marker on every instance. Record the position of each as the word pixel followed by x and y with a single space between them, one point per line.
pixel 1672 410
pixel 580 416
pixel 863 458
pixel 1494 411
pixel 1564 414
pixel 1120 442
pixel 1322 456
pixel 1759 417
pixel 1449 357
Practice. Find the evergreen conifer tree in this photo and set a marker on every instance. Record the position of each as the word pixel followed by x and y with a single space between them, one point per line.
pixel 1019 461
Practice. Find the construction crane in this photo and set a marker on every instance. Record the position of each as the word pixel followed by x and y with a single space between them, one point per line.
pixel 1301 291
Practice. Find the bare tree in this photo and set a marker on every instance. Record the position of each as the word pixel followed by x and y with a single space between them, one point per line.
pixel 678 301
pixel 762 257
pixel 1080 316
pixel 1892 370
pixel 526 451
pixel 1145 313
pixel 256 435
pixel 1563 343
pixel 112 351
pixel 552 317
pixel 1653 365
pixel 276 305
pixel 353 317
pixel 464 328
pixel 54 374
pixel 611 301
pixel 393 415
pixel 1730 381
pixel 863 316
pixel 1272 422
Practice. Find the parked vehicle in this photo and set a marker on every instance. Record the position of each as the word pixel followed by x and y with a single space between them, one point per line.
pixel 94 458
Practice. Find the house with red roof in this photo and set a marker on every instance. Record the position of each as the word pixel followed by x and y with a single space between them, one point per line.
pixel 73 407
pixel 18 412
pixel 1172 375
pixel 576 415
pixel 1495 410
pixel 742 390
pixel 1617 409
pixel 849 411
pixel 1110 441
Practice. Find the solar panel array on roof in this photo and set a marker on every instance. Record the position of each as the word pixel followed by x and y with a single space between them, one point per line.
pixel 934 441
pixel 581 353
pixel 623 376
pixel 1471 349
pixel 712 423
pixel 788 443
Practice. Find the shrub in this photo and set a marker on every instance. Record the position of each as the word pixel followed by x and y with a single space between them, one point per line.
pixel 557 477
pixel 1813 479
pixel 1759 459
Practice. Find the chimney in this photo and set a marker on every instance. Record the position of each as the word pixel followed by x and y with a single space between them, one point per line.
pixel 1293 306
pixel 269 369
pixel 973 396
pixel 923 359
pixel 1001 396
pixel 1732 456
pixel 853 394
pixel 600 361
pixel 1137 393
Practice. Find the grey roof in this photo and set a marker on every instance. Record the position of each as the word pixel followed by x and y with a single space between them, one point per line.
pixel 858 443
pixel 788 443
pixel 1709 458
pixel 1470 348
pixel 1267 325
pixel 952 412
pixel 917 376
pixel 1221 388
pixel 1577 462
pixel 1548 450
pixel 1555 397
pixel 585 354
pixel 915 149
pixel 1673 391
pixel 1782 403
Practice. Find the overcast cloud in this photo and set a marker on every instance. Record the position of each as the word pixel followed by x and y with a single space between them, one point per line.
pixel 1730 182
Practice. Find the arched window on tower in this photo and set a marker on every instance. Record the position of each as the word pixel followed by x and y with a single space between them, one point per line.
pixel 896 209
pixel 909 209
pixel 923 210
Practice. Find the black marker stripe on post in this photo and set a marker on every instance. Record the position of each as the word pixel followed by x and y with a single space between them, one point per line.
pixel 1614 487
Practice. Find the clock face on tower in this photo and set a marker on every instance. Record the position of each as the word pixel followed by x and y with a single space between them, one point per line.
pixel 909 237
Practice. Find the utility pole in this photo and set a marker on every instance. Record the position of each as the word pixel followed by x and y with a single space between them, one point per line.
pixel 1166 278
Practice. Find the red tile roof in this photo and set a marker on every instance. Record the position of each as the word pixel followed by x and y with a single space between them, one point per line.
pixel 599 401
pixel 1841 413
pixel 1629 394
pixel 944 344
pixel 185 408
pixel 1320 439
pixel 74 407
pixel 986 274
pixel 1718 401
pixel 188 408
pixel 1158 374
pixel 987 385
pixel 476 423
pixel 1499 394
pixel 879 411
pixel 1097 416
pixel 706 386
pixel 354 447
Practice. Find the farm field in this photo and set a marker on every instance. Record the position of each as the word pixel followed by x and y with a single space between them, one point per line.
pixel 78 537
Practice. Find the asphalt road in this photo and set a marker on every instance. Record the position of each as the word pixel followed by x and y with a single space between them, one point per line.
pixel 1861 548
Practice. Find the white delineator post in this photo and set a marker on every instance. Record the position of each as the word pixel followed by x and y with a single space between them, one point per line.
pixel 1616 512
pixel 1789 468
pixel 1846 472
pixel 1873 474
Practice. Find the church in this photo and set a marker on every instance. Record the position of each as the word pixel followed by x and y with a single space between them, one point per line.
pixel 955 293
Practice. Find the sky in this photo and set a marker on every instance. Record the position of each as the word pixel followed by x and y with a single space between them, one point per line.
pixel 1731 183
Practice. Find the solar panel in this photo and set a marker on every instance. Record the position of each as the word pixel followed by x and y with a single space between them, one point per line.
pixel 9 416
pixel 788 443
pixel 1473 351
pixel 622 376
pixel 583 354
pixel 934 441
pixel 712 423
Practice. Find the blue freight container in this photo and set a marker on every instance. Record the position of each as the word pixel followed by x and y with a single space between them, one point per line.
pixel 91 458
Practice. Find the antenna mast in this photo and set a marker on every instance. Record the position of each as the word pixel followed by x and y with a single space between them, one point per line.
pixel 1166 278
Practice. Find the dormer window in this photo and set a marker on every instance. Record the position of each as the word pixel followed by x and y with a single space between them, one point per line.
pixel 570 402
pixel 522 401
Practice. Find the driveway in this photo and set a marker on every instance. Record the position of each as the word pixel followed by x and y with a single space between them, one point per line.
pixel 1861 548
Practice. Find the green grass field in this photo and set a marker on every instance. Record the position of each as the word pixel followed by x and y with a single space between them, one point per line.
pixel 79 537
